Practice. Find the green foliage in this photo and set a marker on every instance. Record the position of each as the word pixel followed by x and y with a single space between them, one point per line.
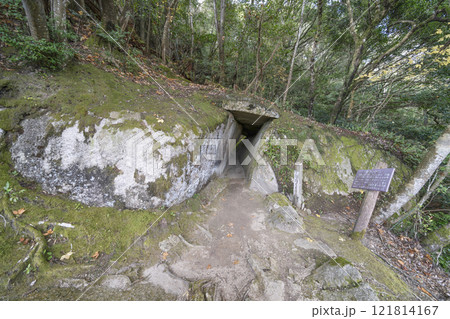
pixel 116 38
pixel 28 270
pixel 48 255
pixel 412 150
pixel 13 195
pixel 443 258
pixel 45 54
pixel 42 53
pixel 422 223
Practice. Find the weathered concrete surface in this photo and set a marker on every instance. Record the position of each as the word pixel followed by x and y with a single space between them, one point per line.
pixel 249 113
pixel 160 276
pixel 119 282
pixel 135 167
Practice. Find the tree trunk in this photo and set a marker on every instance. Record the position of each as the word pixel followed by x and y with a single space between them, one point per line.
pixel 312 67
pixel 423 173
pixel 109 14
pixel 435 184
pixel 347 86
pixel 142 28
pixel 37 20
pixel 294 54
pixel 191 25
pixel 220 20
pixel 149 32
pixel 58 8
pixel 165 45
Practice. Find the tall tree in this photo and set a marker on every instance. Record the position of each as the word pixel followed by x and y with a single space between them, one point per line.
pixel 37 21
pixel 165 45
pixel 312 61
pixel 435 156
pixel 109 14
pixel 219 17
pixel 362 32
pixel 260 66
pixel 294 53
pixel 58 8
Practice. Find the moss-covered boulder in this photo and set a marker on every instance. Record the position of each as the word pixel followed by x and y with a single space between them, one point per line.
pixel 343 152
pixel 437 239
pixel 106 141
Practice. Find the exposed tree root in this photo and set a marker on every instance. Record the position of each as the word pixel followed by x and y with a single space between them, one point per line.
pixel 35 256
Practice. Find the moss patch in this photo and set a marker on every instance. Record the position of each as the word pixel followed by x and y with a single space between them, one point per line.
pixel 87 94
pixel 338 149
pixel 386 282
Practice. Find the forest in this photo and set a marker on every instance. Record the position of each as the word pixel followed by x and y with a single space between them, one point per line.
pixel 380 68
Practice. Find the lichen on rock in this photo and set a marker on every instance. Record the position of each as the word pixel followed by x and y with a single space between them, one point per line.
pixel 138 166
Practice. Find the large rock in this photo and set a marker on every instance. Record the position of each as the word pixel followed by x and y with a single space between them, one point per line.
pixel 437 239
pixel 333 275
pixel 160 276
pixel 124 161
pixel 282 214
pixel 268 285
pixel 339 280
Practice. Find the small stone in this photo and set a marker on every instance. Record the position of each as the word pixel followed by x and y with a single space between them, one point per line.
pixel 119 282
pixel 330 275
pixel 169 243
pixel 73 283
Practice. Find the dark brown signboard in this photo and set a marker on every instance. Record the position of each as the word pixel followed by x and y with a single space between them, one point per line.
pixel 374 179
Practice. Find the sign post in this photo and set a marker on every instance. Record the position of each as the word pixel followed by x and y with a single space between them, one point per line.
pixel 375 181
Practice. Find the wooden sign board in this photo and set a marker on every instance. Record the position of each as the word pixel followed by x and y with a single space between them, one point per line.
pixel 374 179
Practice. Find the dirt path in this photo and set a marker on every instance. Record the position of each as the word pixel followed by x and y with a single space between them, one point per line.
pixel 247 248
pixel 235 246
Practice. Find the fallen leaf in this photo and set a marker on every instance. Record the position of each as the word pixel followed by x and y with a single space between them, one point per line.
pixel 401 262
pixel 381 231
pixel 164 255
pixel 236 262
pixel 229 235
pixel 26 241
pixel 21 239
pixel 230 224
pixel 347 207
pixel 49 232
pixel 160 121
pixel 429 257
pixel 208 267
pixel 309 239
pixel 66 256
pixel 318 215
pixel 95 255
pixel 19 212
pixel 425 291
pixel 341 239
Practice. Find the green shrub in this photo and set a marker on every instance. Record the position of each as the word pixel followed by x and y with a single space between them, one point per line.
pixel 444 258
pixel 45 54
pixel 39 53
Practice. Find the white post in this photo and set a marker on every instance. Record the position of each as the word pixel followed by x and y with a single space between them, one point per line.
pixel 298 185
